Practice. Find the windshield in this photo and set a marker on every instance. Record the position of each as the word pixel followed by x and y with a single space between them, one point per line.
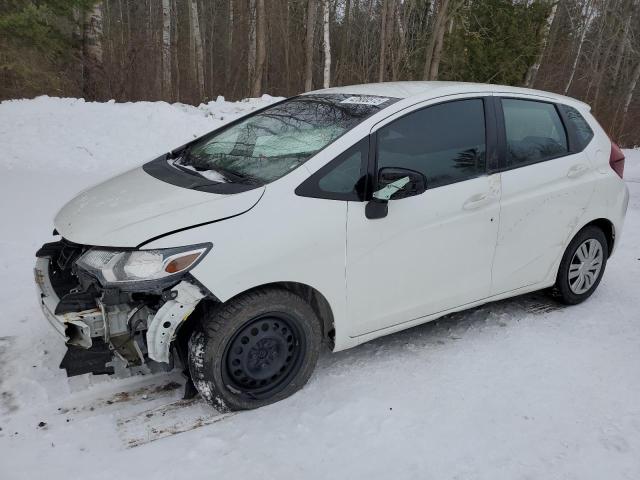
pixel 267 145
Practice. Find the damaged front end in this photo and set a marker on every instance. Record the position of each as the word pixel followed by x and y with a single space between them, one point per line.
pixel 118 309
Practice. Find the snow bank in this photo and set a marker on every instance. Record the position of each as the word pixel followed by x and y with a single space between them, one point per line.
pixel 67 134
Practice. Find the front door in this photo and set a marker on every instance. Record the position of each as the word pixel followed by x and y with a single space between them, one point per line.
pixel 433 251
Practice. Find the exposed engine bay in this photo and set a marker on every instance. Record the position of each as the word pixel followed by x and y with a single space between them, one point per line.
pixel 111 326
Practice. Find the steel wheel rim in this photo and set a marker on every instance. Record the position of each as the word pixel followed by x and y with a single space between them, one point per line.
pixel 585 266
pixel 263 355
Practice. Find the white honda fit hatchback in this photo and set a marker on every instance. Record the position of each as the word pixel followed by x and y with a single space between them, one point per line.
pixel 336 216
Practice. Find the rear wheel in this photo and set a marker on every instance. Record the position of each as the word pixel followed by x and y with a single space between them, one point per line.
pixel 582 266
pixel 254 350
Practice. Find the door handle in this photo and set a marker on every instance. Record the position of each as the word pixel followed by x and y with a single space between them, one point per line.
pixel 577 170
pixel 477 201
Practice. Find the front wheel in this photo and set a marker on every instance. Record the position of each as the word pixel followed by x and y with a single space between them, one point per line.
pixel 256 349
pixel 582 266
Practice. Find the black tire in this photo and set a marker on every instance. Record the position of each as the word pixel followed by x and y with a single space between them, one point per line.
pixel 562 288
pixel 256 349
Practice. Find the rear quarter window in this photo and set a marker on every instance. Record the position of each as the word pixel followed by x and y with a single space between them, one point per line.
pixel 581 129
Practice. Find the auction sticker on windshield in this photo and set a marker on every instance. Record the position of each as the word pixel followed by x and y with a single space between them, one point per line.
pixel 365 100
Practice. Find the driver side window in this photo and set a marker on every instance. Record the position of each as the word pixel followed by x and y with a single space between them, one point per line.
pixel 444 142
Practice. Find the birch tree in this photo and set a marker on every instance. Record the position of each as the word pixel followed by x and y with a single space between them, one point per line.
pixel 327 46
pixel 544 35
pixel 586 22
pixel 635 76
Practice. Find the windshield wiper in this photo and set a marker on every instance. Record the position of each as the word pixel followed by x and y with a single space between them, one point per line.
pixel 231 176
pixel 236 176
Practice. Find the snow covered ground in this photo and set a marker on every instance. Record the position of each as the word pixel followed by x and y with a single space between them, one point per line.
pixel 516 389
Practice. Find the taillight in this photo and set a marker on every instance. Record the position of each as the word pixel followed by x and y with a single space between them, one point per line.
pixel 616 160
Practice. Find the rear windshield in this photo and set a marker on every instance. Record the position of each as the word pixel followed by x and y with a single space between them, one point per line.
pixel 267 145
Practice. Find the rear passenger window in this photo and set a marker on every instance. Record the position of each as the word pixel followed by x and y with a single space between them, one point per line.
pixel 445 142
pixel 534 132
pixel 582 130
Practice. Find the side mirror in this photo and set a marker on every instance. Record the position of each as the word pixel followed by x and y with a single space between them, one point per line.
pixel 394 184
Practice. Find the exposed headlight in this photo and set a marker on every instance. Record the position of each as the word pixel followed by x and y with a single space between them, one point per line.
pixel 121 267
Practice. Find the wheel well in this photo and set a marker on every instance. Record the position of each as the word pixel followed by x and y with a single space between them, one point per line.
pixel 607 228
pixel 318 303
pixel 313 297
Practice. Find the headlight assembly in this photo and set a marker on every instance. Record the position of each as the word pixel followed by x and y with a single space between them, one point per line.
pixel 120 268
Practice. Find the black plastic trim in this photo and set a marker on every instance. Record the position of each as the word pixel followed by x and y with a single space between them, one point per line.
pixel 494 152
pixel 160 169
pixel 78 360
pixel 77 302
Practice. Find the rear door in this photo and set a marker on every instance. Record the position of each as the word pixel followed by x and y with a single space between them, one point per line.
pixel 547 184
pixel 433 251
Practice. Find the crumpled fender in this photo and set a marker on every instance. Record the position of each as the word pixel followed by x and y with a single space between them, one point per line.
pixel 163 326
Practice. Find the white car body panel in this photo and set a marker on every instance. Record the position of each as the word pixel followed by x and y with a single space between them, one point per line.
pixel 430 256
pixel 302 241
pixel 420 259
pixel 133 207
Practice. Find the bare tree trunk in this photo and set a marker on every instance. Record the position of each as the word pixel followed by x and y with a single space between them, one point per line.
pixel 545 28
pixel 251 56
pixel 589 10
pixel 383 41
pixel 599 74
pixel 327 46
pixel 347 19
pixel 287 47
pixel 197 49
pixel 622 46
pixel 635 76
pixel 92 46
pixel 401 54
pixel 78 43
pixel 311 23
pixel 439 42
pixel 434 46
pixel 166 50
pixel 261 48
pixel 175 65
pixel 230 56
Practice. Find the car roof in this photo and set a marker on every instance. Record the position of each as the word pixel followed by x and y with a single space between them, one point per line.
pixel 426 90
